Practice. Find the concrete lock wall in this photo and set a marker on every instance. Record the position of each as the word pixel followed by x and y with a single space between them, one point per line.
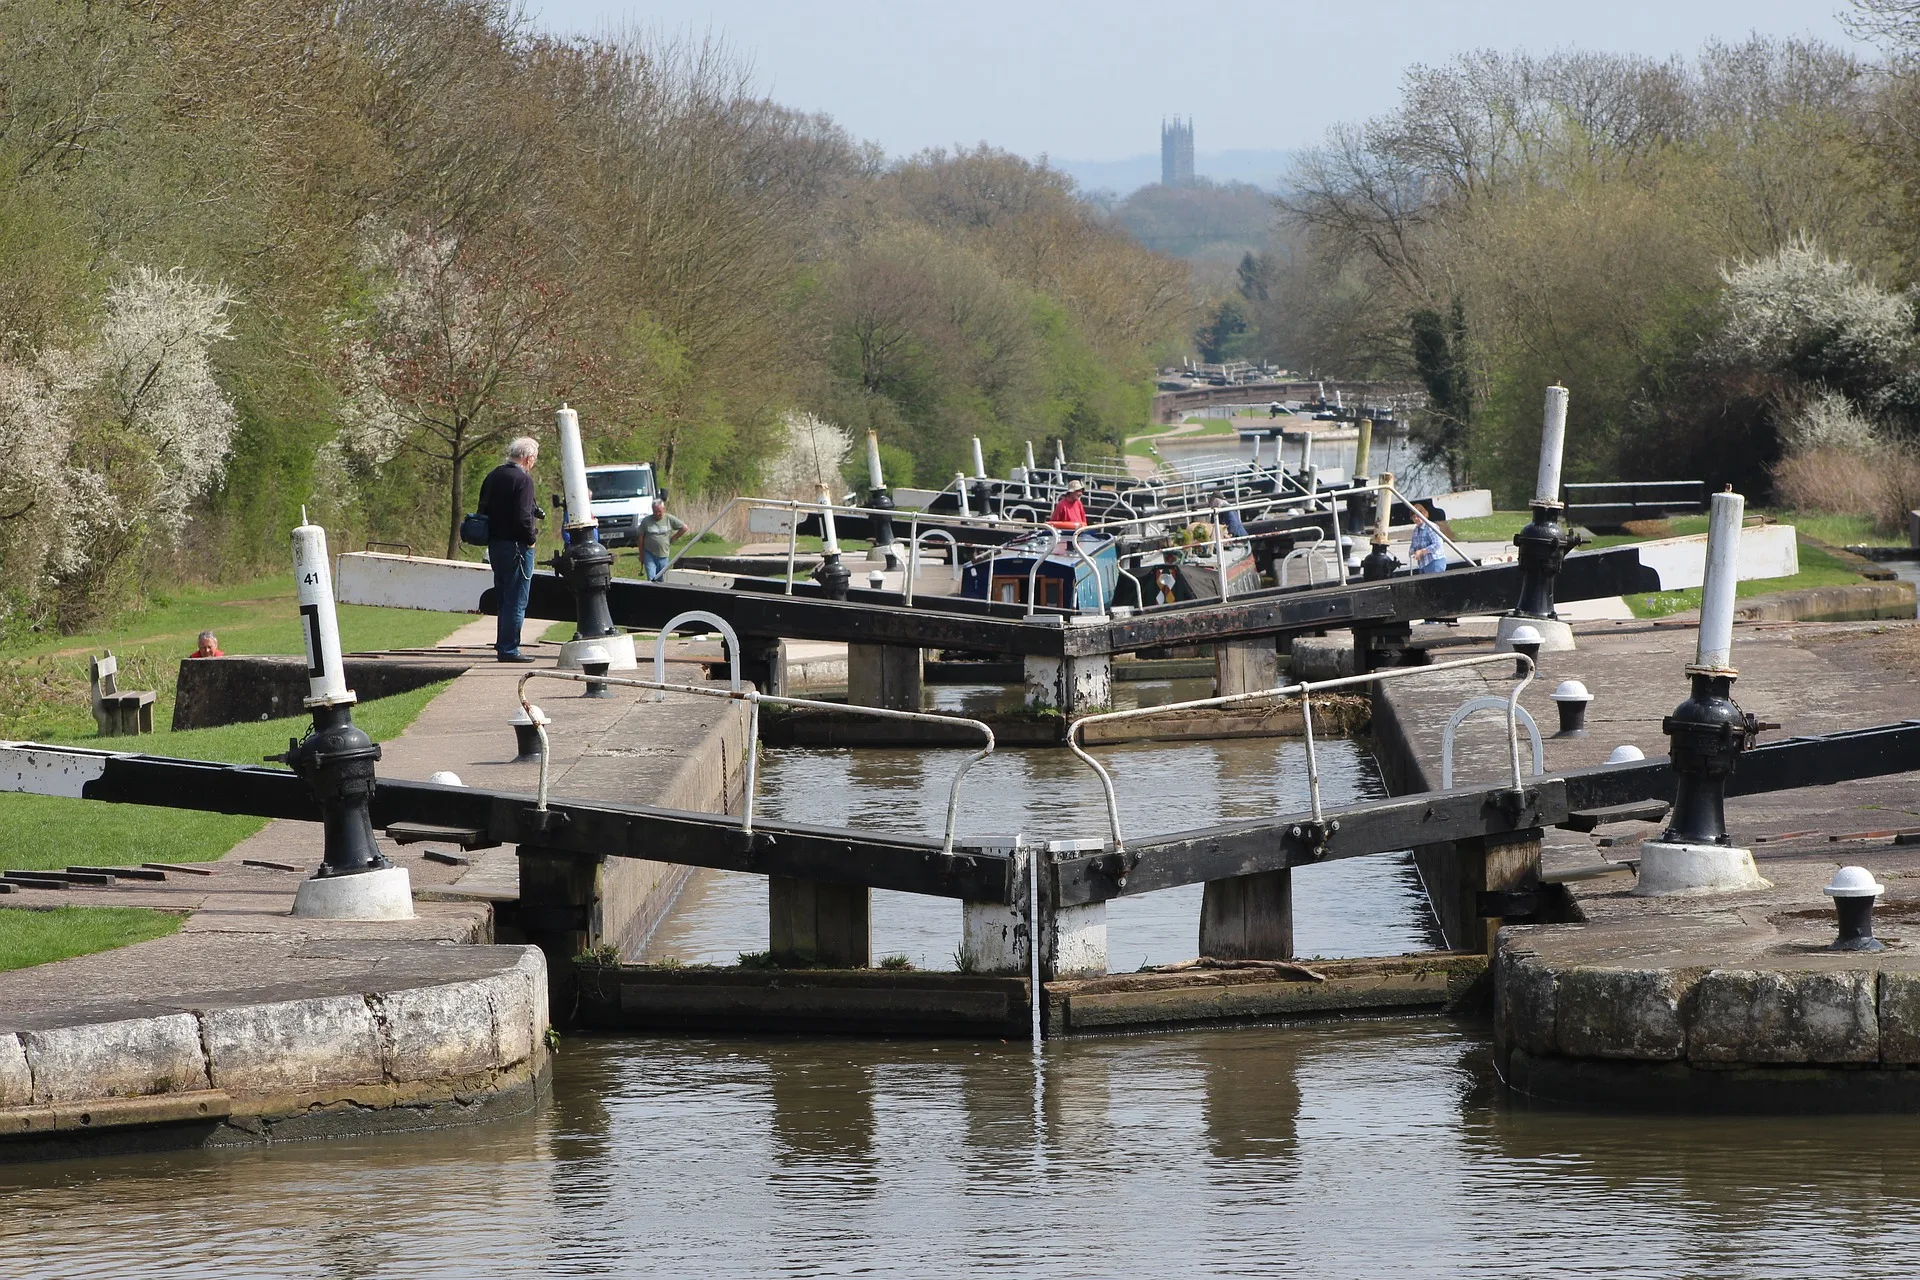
pixel 333 1063
pixel 635 894
pixel 216 691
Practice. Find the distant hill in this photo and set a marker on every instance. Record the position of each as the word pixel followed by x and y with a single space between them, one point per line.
pixel 1262 168
pixel 1210 223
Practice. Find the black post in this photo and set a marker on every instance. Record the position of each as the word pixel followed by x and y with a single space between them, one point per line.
pixel 336 761
pixel 1707 733
pixel 882 501
pixel 587 567
pixel 834 576
pixel 1543 547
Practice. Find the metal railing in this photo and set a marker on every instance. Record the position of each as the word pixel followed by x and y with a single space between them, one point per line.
pixel 794 506
pixel 1304 690
pixel 753 699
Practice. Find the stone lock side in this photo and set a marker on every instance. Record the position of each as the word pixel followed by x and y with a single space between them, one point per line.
pixel 381 1052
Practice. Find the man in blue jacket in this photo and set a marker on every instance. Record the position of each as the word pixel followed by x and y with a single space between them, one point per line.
pixel 506 499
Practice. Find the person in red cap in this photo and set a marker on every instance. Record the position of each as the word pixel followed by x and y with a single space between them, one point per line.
pixel 1071 511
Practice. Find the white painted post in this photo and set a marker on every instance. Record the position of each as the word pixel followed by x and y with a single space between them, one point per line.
pixel 1031 467
pixel 1059 454
pixel 1383 509
pixel 873 460
pixel 830 540
pixel 960 487
pixel 1362 448
pixel 573 470
pixel 1553 439
pixel 1715 648
pixel 313 584
pixel 979 460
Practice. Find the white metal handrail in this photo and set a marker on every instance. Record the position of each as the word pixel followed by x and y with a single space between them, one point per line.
pixel 1303 553
pixel 1491 702
pixel 1305 691
pixel 711 619
pixel 753 698
pixel 913 554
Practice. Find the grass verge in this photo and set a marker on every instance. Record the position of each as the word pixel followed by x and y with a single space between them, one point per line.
pixel 43 678
pixel 42 832
pixel 1817 569
pixel 40 937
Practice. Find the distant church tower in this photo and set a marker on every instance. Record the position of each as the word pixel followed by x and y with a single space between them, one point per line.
pixel 1176 153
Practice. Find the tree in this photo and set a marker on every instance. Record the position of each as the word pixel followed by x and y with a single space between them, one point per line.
pixel 462 345
pixel 1215 338
pixel 1440 358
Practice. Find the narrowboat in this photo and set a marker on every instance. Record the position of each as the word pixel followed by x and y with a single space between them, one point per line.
pixel 1065 579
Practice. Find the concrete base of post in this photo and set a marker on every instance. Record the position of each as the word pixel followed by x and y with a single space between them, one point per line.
pixel 618 647
pixel 885 676
pixel 1070 686
pixel 1555 635
pixel 1245 666
pixel 386 894
pixel 1674 869
pixel 1248 917
pixel 823 924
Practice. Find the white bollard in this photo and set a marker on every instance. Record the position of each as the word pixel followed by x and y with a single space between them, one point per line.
pixel 313 583
pixel 1553 440
pixel 873 461
pixel 960 487
pixel 1383 509
pixel 1714 651
pixel 1031 467
pixel 573 469
pixel 979 460
pixel 831 542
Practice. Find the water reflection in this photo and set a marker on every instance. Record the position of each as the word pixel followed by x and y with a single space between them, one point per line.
pixel 1364 906
pixel 1339 1149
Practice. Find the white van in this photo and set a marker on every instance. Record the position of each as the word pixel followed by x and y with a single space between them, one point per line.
pixel 622 492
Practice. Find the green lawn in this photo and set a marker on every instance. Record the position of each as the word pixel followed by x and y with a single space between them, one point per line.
pixel 41 832
pixel 1817 569
pixel 41 937
pixel 43 678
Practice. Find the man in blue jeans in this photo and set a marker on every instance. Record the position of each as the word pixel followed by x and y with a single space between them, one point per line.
pixel 506 499
pixel 658 532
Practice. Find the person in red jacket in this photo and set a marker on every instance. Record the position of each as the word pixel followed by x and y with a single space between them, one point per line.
pixel 209 647
pixel 1071 511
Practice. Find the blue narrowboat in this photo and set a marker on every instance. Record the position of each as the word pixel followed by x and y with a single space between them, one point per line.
pixel 1065 579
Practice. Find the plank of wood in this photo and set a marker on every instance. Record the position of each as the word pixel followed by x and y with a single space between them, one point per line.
pixel 183 870
pixel 267 865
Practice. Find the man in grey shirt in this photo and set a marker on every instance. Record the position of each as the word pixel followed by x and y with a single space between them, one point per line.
pixel 658 532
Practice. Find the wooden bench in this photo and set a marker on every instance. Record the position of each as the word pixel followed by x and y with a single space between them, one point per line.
pixel 116 711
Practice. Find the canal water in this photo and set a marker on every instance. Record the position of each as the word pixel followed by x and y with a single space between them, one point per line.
pixel 1363 906
pixel 1355 1148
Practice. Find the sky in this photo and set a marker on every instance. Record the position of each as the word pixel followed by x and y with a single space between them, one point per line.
pixel 1091 80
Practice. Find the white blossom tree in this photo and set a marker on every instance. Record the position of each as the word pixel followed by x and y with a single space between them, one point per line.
pixel 811 454
pixel 107 444
pixel 1801 307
